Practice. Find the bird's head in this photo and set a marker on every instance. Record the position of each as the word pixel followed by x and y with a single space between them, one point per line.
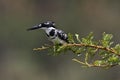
pixel 43 25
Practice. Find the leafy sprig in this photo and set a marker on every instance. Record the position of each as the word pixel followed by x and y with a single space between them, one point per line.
pixel 97 53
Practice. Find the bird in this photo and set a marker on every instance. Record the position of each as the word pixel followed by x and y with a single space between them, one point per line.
pixel 57 36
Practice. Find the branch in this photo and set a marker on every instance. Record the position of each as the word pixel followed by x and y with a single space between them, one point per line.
pixel 95 53
pixel 111 50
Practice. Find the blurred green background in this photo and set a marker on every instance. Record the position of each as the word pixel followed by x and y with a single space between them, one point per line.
pixel 19 62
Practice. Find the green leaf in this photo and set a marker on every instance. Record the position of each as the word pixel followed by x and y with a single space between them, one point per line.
pixel 106 40
pixel 114 59
pixel 62 49
pixel 70 38
pixel 99 62
pixel 77 37
pixel 88 39
pixel 79 50
pixel 90 36
pixel 91 51
pixel 117 48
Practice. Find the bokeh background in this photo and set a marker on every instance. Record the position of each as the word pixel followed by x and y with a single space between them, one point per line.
pixel 19 62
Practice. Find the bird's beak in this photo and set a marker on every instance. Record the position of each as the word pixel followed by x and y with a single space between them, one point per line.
pixel 34 27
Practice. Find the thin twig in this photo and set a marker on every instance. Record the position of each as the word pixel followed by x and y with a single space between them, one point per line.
pixel 42 48
pixel 92 65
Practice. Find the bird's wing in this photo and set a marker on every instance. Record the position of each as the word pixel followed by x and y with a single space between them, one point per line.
pixel 62 35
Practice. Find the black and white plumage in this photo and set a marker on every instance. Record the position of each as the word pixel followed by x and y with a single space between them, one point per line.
pixel 55 35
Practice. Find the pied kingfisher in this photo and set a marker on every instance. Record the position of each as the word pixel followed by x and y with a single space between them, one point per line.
pixel 56 35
